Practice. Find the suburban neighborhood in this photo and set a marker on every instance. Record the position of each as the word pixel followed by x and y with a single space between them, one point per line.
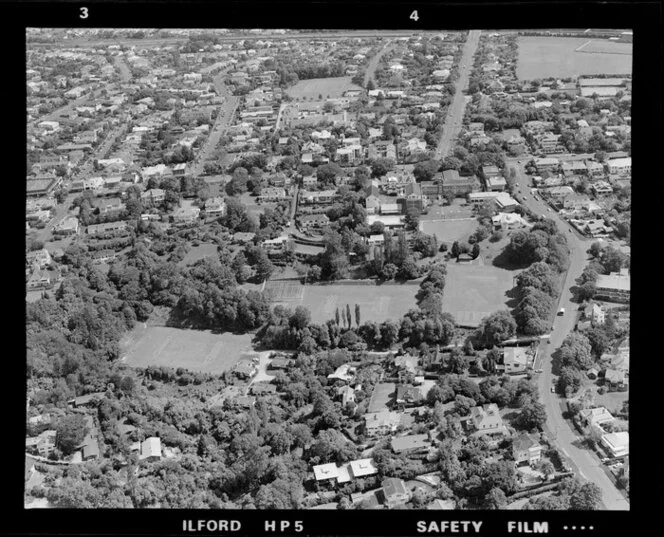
pixel 276 269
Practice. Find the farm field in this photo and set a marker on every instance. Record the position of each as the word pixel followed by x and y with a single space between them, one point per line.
pixel 196 350
pixel 475 291
pixel 377 302
pixel 449 230
pixel 541 57
pixel 327 87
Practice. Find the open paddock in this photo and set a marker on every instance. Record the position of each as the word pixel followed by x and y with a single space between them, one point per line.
pixel 544 57
pixel 195 350
pixel 199 252
pixel 475 291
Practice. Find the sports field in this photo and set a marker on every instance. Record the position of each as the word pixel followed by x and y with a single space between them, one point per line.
pixel 449 230
pixel 327 87
pixel 377 302
pixel 196 350
pixel 475 291
pixel 543 57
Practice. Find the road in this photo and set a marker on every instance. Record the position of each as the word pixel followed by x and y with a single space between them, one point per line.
pixel 125 73
pixel 373 63
pixel 586 462
pixel 225 115
pixel 455 112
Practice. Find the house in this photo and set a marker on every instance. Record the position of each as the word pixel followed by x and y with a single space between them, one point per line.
pixel 316 221
pixel 263 388
pixel 617 444
pixel 362 467
pixel 347 395
pixel 595 169
pixel 390 208
pixel 446 505
pixel 613 287
pixel 595 313
pixel 279 363
pixel 490 171
pixel 380 423
pixel 346 472
pixel 515 360
pixel 486 419
pixel 344 372
pixel 149 450
pixel 310 181
pixel 89 448
pixel 395 492
pixel 110 206
pixel 245 369
pixel 595 416
pixel 309 197
pixel 44 444
pixel 616 380
pixel 408 395
pixel 602 188
pixel 372 204
pixel 275 245
pixel 526 448
pixel 620 166
pixel 41 258
pixel 411 444
pixel 153 197
pixel 272 193
pixel 86 400
pixel 186 215
pixel 215 207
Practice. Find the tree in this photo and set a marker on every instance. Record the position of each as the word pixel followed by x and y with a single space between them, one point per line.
pixel 389 271
pixel 371 85
pixel 336 315
pixel 348 315
pixel 357 315
pixel 412 219
pixel 424 171
pixel 496 328
pixel 70 432
pixel 588 497
pixel 476 250
pixel 495 499
pixel 456 250
pixel 531 416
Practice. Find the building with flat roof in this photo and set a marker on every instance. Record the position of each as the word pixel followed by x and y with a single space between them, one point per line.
pixel 614 287
pixel 617 444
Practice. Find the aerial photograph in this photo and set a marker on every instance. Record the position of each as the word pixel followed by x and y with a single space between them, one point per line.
pixel 328 269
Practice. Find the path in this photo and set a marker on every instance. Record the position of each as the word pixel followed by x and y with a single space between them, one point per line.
pixel 455 112
pixel 586 462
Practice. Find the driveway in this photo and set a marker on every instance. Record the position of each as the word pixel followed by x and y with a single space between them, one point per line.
pixel 586 462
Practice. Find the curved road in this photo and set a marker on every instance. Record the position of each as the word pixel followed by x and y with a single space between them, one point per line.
pixel 455 112
pixel 587 464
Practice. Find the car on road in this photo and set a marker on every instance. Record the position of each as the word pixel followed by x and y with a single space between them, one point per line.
pixel 548 209
pixel 561 311
pixel 553 389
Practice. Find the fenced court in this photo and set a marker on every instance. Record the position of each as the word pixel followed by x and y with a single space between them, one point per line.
pixel 381 396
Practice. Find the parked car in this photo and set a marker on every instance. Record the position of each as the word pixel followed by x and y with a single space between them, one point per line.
pixel 553 389
pixel 561 311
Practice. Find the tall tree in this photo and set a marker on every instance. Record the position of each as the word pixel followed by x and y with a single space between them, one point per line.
pixel 348 315
pixel 357 315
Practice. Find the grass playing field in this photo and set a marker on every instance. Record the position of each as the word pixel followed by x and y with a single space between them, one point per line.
pixel 377 302
pixel 449 230
pixel 475 291
pixel 327 87
pixel 196 350
pixel 542 57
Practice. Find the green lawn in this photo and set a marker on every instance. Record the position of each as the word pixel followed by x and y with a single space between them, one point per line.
pixel 196 350
pixel 541 57
pixel 312 88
